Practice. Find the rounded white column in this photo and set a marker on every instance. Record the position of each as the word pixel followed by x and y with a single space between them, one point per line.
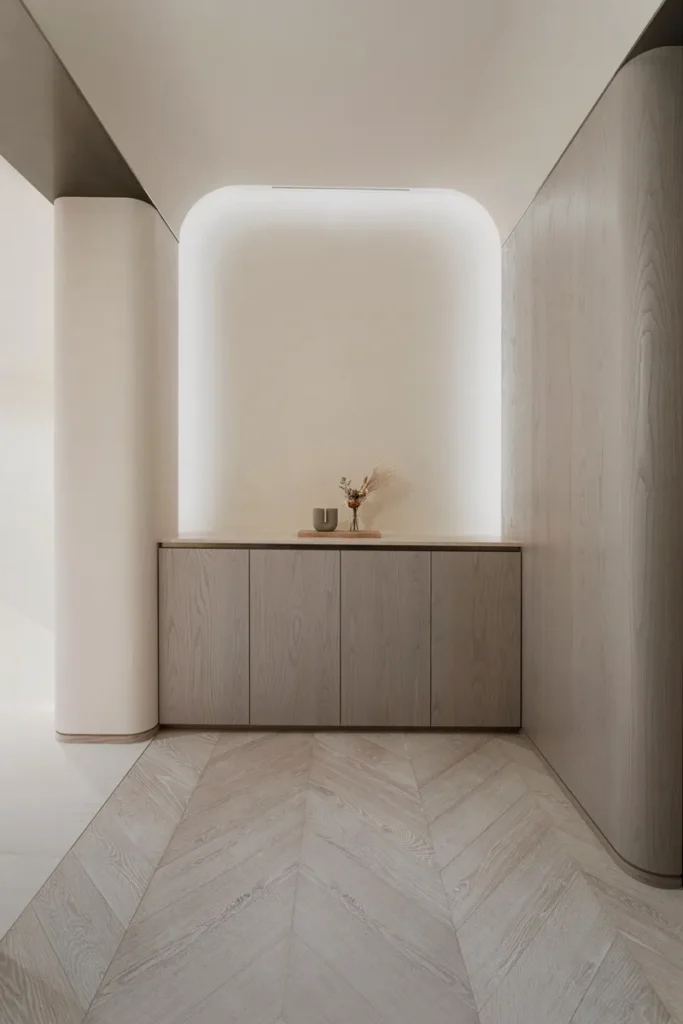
pixel 105 490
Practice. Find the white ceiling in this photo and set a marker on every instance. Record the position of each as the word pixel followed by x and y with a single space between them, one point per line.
pixel 477 95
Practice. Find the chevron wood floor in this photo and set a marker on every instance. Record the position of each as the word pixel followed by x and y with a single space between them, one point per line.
pixel 342 878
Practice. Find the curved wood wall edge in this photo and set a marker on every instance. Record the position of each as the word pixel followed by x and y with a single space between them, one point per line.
pixel 593 462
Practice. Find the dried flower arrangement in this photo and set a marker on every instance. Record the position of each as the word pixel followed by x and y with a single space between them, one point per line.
pixel 355 496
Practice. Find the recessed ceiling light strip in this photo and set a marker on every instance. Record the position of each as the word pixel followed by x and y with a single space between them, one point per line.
pixel 338 188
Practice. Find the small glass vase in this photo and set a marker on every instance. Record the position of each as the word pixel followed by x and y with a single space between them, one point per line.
pixel 354 528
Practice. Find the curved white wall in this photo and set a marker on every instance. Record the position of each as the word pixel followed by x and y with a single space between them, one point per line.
pixel 324 332
pixel 111 472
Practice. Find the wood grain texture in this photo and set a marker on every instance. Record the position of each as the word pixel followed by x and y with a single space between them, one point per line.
pixel 90 737
pixel 305 881
pixel 476 638
pixel 81 926
pixel 620 993
pixel 593 460
pixel 346 534
pixel 33 986
pixel 203 637
pixel 549 979
pixel 385 616
pixel 294 601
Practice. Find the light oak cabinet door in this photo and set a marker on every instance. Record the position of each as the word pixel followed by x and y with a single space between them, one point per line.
pixel 476 638
pixel 385 638
pixel 294 637
pixel 203 636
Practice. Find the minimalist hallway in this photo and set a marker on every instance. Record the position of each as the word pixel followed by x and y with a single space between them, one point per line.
pixel 342 878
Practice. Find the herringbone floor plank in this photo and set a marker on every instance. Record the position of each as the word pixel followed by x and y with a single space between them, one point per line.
pixel 342 878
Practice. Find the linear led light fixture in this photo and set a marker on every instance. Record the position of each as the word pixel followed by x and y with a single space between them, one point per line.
pixel 340 188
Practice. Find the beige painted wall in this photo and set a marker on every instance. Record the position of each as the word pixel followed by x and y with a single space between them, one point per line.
pixel 323 333
pixel 26 402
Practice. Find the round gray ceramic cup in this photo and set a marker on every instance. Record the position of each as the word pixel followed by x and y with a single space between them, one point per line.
pixel 325 519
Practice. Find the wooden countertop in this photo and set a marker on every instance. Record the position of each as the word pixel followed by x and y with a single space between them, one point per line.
pixel 330 540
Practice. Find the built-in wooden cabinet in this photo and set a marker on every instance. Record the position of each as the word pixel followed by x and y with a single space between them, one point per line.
pixel 319 637
pixel 476 638
pixel 294 597
pixel 203 636
pixel 385 613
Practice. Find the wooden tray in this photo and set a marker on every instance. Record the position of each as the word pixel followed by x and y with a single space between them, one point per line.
pixel 346 534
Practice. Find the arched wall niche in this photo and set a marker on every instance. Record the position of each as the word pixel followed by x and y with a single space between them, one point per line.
pixel 323 332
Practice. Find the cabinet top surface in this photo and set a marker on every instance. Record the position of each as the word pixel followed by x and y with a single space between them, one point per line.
pixel 328 540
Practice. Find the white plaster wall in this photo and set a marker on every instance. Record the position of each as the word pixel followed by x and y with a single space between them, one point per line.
pixel 113 291
pixel 26 439
pixel 325 332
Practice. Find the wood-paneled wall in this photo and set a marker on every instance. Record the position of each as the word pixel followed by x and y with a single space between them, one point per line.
pixel 593 460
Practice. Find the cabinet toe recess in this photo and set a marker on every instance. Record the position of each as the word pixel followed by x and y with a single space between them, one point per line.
pixel 380 636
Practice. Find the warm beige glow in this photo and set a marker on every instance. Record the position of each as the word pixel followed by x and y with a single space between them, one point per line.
pixel 324 332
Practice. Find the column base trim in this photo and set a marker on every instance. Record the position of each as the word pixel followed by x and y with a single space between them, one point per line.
pixel 134 737
pixel 640 874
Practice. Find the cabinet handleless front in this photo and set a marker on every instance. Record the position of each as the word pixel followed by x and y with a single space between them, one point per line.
pixel 203 636
pixel 476 638
pixel 385 656
pixel 294 638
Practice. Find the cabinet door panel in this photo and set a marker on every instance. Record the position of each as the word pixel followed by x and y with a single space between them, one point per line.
pixel 476 638
pixel 294 637
pixel 203 636
pixel 385 638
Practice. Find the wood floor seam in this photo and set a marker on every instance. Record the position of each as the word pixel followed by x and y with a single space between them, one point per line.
pixel 155 868
pixel 296 887
pixel 585 998
pixel 429 827
pixel 475 838
pixel 315 953
pixel 299 878
pixel 57 959
pixel 199 776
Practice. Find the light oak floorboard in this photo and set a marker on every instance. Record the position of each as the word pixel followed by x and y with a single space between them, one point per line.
pixel 448 788
pixel 163 978
pixel 555 970
pixel 382 767
pixel 665 977
pixel 390 916
pixel 254 995
pixel 253 835
pixel 115 863
pixel 394 741
pixel 121 848
pixel 316 993
pixel 374 878
pixel 496 934
pixel 398 986
pixel 33 986
pixel 153 796
pixel 446 750
pixel 471 877
pixel 620 993
pixel 81 926
pixel 272 753
pixel 457 827
pixel 409 865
